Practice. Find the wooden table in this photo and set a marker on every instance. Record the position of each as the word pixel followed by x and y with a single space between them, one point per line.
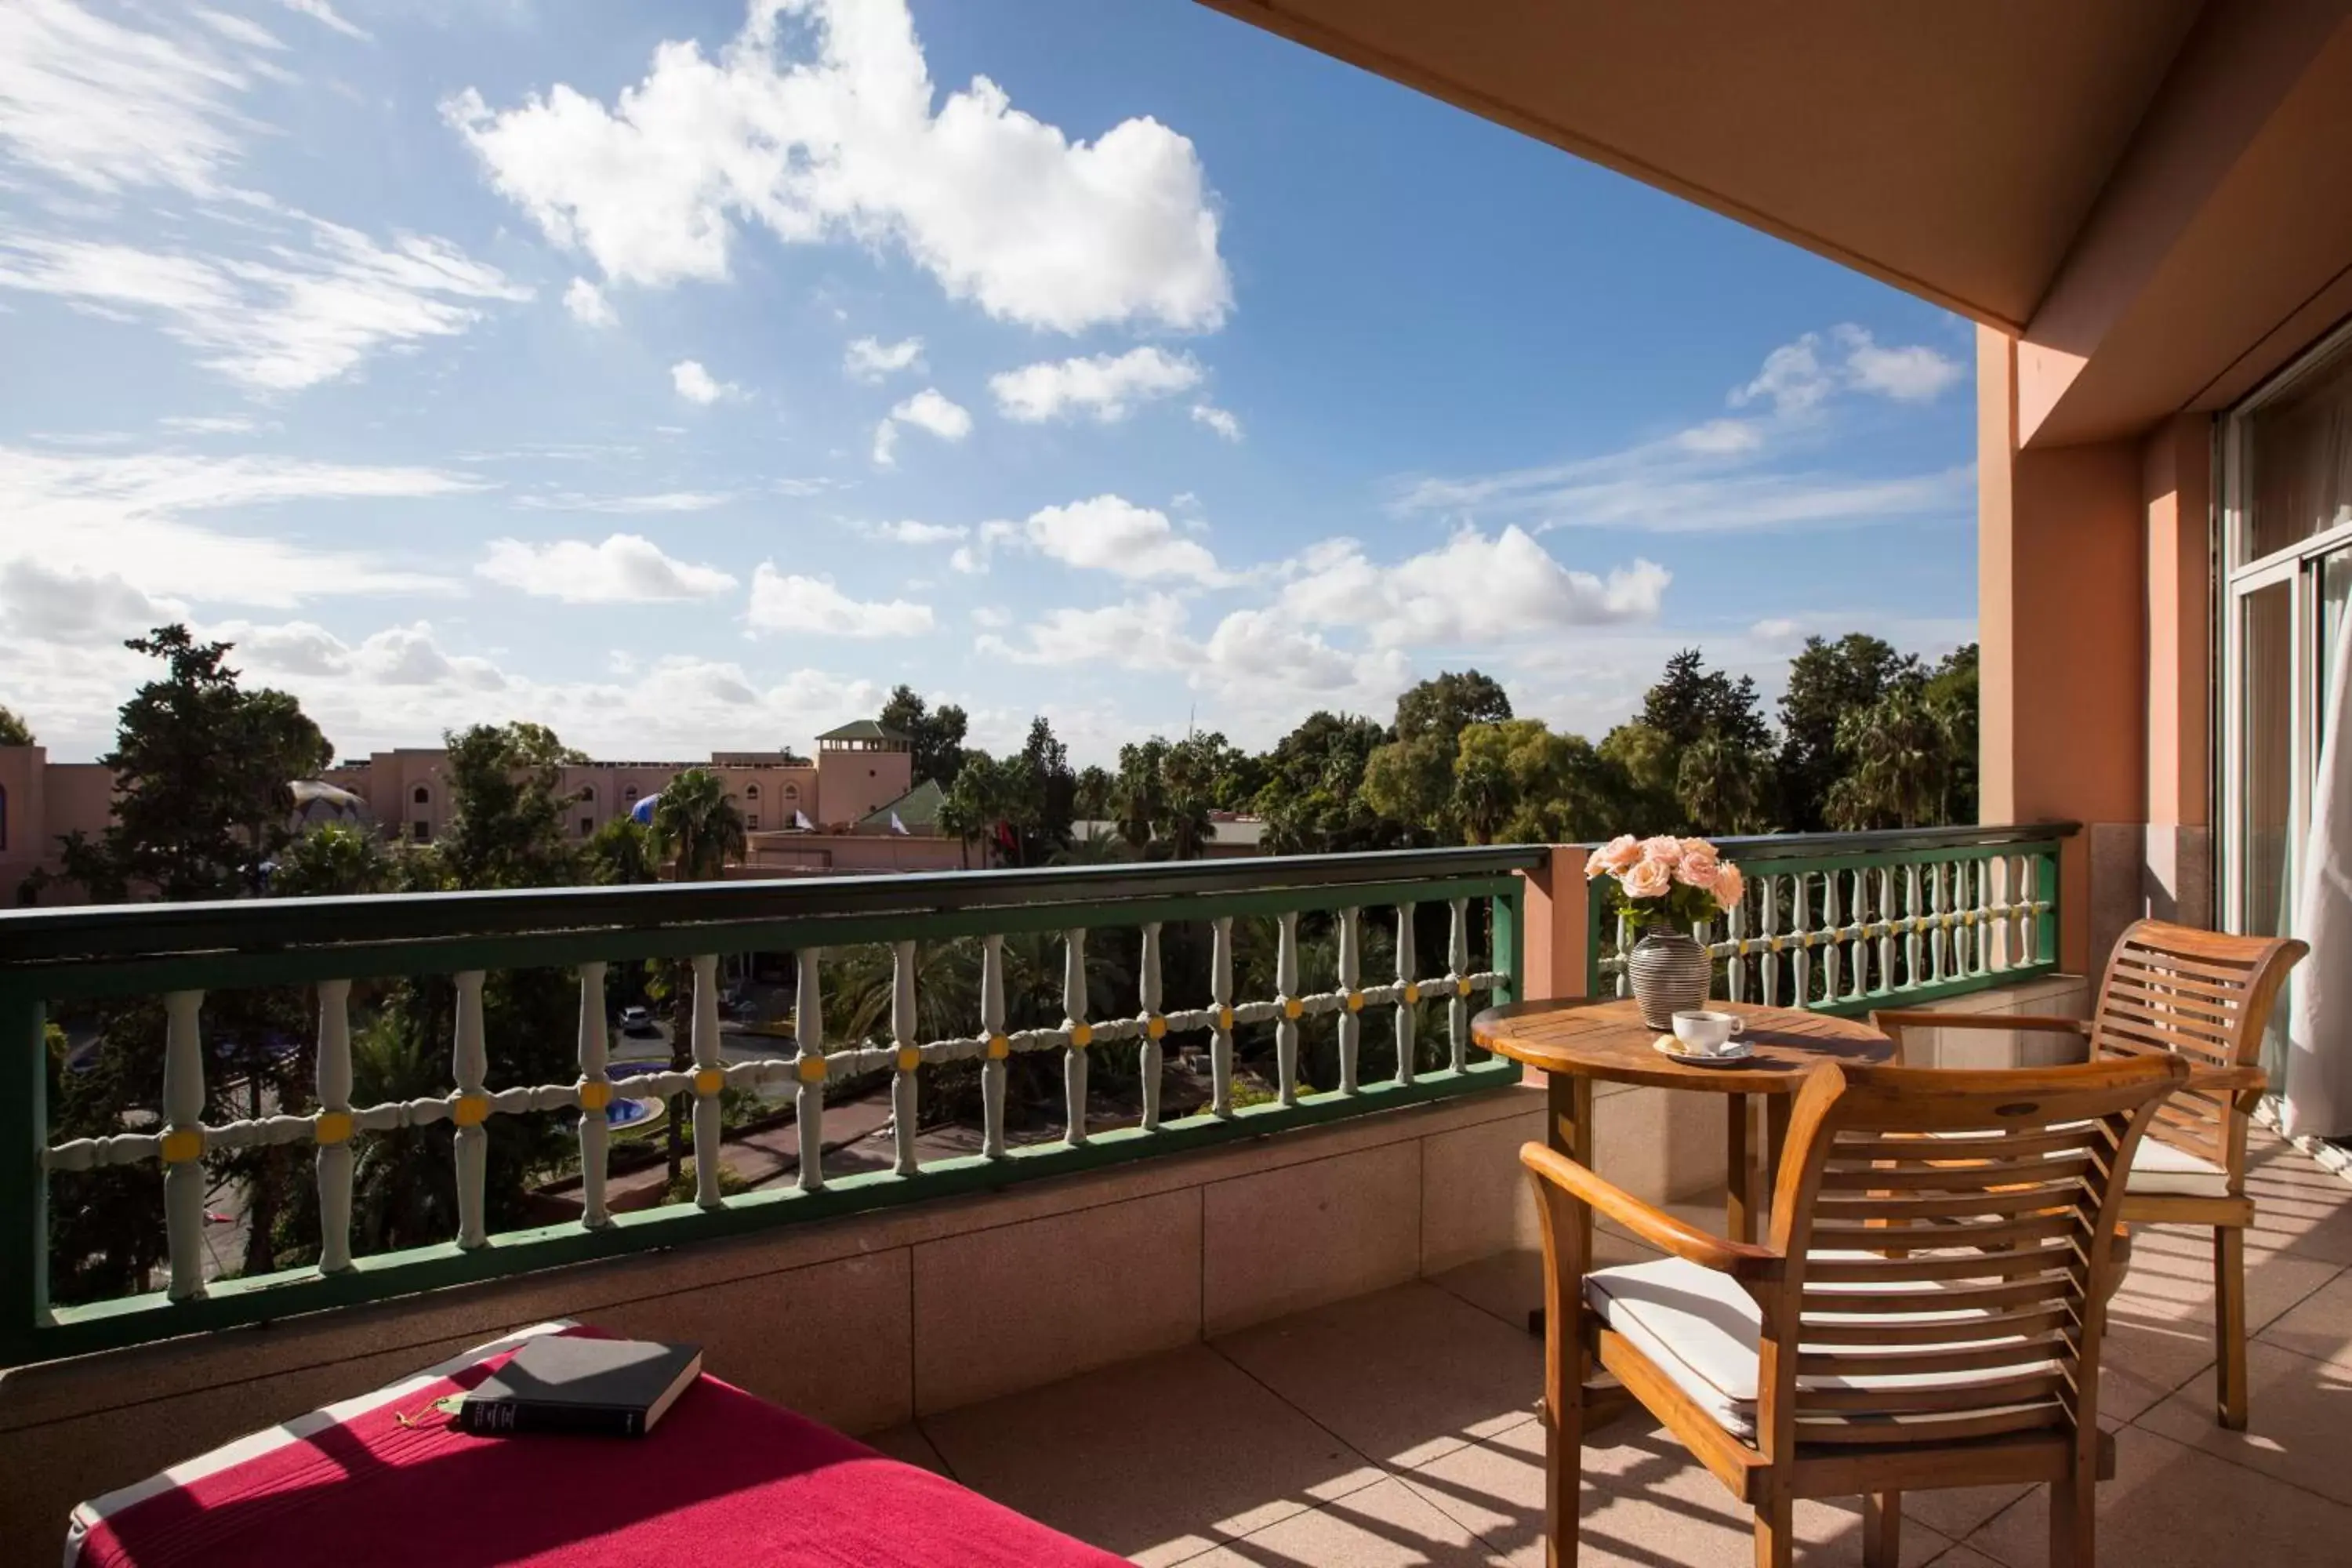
pixel 1579 1043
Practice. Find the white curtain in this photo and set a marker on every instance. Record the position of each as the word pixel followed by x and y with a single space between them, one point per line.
pixel 2319 1028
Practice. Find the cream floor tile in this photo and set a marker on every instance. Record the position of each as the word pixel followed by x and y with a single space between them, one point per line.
pixel 1509 1285
pixel 1402 1374
pixel 1158 1459
pixel 2301 1419
pixel 2171 1506
pixel 2319 1326
pixel 1386 1525
pixel 906 1442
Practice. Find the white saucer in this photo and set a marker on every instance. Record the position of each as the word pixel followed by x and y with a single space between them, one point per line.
pixel 1733 1052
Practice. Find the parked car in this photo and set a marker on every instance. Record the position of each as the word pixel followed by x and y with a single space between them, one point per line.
pixel 638 1021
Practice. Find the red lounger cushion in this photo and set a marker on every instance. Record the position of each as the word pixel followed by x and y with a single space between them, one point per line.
pixel 725 1478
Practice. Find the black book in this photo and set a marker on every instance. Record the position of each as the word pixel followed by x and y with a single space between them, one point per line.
pixel 615 1388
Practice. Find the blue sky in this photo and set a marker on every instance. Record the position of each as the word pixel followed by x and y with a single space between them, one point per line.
pixel 684 377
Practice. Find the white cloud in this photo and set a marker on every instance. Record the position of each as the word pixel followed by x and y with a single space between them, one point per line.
pixel 869 359
pixel 660 502
pixel 321 12
pixel 106 106
pixel 782 602
pixel 295 319
pixel 126 513
pixel 1914 374
pixel 1793 379
pixel 626 569
pixel 910 533
pixel 1111 533
pixel 216 424
pixel 1721 438
pixel 844 143
pixel 696 385
pixel 1102 388
pixel 1473 589
pixel 926 410
pixel 238 29
pixel 588 305
pixel 77 608
pixel 1222 420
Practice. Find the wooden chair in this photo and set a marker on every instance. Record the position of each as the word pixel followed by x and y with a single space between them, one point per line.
pixel 1928 1313
pixel 2205 996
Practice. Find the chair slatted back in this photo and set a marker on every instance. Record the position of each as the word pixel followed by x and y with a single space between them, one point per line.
pixel 1949 1236
pixel 2204 994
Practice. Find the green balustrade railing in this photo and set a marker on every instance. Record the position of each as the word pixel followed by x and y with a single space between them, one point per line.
pixel 71 964
pixel 1845 922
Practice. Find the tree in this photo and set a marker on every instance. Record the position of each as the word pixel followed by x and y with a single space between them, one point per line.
pixel 1898 753
pixel 507 830
pixel 334 860
pixel 937 733
pixel 1450 703
pixel 1827 680
pixel 1690 700
pixel 697 826
pixel 203 770
pixel 1952 693
pixel 1643 771
pixel 1723 787
pixel 621 854
pixel 1313 799
pixel 1093 799
pixel 1411 783
pixel 14 732
pixel 1045 803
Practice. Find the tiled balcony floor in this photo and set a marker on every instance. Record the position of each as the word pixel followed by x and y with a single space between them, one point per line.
pixel 1398 1428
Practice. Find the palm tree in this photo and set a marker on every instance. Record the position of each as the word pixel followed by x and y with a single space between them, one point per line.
pixel 1722 786
pixel 1899 756
pixel 698 827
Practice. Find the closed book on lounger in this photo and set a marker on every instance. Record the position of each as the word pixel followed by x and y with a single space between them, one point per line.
pixel 615 1388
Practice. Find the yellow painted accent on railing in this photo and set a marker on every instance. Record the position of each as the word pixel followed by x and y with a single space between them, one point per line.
pixel 709 1080
pixel 1292 1007
pixel 909 1059
pixel 1462 986
pixel 470 1111
pixel 331 1127
pixel 1156 1027
pixel 1412 991
pixel 1225 1019
pixel 595 1096
pixel 1355 1001
pixel 1081 1035
pixel 179 1148
pixel 999 1048
pixel 811 1069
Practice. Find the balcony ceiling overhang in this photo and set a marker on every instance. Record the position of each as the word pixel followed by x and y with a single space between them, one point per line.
pixel 2085 176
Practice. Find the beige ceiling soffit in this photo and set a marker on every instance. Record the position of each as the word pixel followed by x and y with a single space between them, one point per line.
pixel 1380 62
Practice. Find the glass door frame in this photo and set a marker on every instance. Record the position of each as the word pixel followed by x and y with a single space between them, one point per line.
pixel 2297 565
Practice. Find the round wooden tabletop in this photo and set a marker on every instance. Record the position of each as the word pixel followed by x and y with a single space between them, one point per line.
pixel 1607 1039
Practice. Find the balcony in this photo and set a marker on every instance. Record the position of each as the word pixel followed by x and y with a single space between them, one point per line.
pixel 1211 1145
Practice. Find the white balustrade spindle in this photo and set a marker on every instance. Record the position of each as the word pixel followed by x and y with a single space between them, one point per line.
pixel 1801 926
pixel 905 1081
pixel 471 1065
pixel 1221 1037
pixel 183 1143
pixel 1734 968
pixel 992 1069
pixel 709 1128
pixel 1772 960
pixel 1082 1034
pixel 1457 1011
pixel 808 1069
pixel 1351 998
pixel 1915 918
pixel 1153 1027
pixel 1407 1016
pixel 595 1096
pixel 1833 974
pixel 333 1126
pixel 1886 928
pixel 1286 987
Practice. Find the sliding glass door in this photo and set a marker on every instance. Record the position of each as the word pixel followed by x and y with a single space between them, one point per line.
pixel 2286 464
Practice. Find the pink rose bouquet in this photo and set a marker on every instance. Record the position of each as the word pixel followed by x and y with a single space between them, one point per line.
pixel 1683 880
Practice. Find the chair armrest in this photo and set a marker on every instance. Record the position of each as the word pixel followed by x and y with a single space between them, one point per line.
pixel 2247 1083
pixel 1742 1261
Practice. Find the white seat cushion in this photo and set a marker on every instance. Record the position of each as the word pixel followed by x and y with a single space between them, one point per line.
pixel 2164 1170
pixel 1703 1330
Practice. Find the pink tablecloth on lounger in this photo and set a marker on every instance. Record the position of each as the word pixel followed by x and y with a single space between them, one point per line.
pixel 726 1479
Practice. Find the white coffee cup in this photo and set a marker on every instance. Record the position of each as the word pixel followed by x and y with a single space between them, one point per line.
pixel 1707 1034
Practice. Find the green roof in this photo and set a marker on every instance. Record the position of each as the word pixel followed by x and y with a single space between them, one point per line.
pixel 866 730
pixel 918 809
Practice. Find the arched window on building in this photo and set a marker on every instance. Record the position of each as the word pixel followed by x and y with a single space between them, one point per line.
pixel 791 794
pixel 422 795
pixel 751 792
pixel 629 795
